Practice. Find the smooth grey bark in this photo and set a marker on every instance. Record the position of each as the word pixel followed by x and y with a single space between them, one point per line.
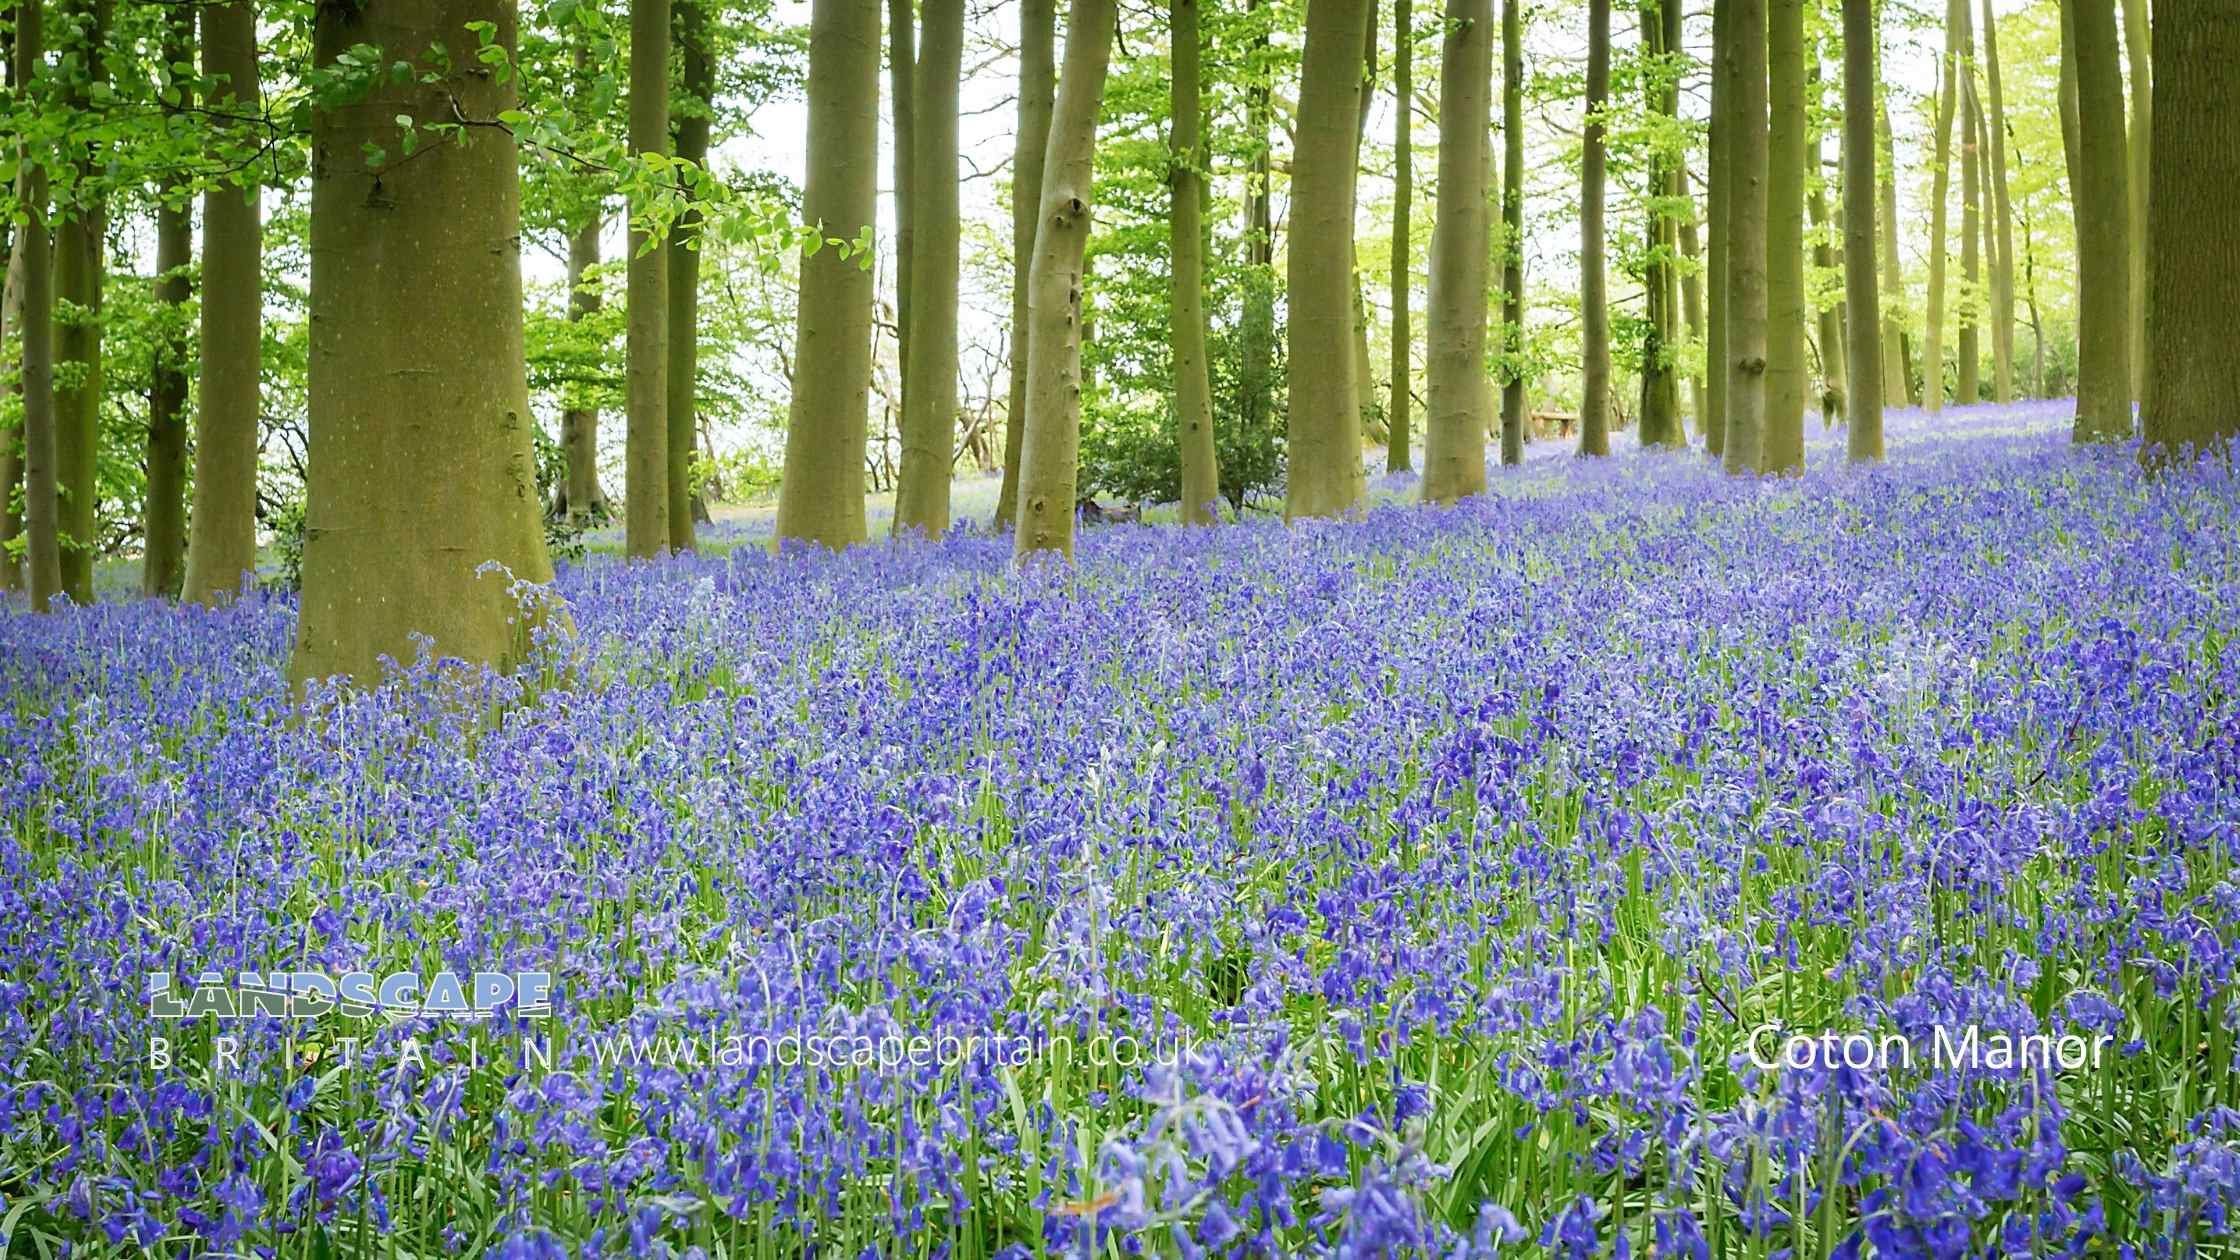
pixel 1457 398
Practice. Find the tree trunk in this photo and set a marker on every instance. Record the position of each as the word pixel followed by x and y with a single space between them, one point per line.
pixel 1364 375
pixel 1744 64
pixel 1512 233
pixel 692 117
pixel 2103 231
pixel 2002 208
pixel 79 263
pixel 1827 238
pixel 1326 475
pixel 820 498
pixel 1037 82
pixel 1398 435
pixel 1718 194
pixel 1457 396
pixel 1594 305
pixel 579 426
pixel 1862 406
pixel 1781 439
pixel 645 463
pixel 1691 282
pixel 163 550
pixel 1932 340
pixel 1968 387
pixel 2139 152
pixel 11 441
pixel 1897 378
pixel 902 94
pixel 1660 397
pixel 2193 271
pixel 421 471
pixel 42 523
pixel 1193 387
pixel 2068 103
pixel 929 395
pixel 1050 459
pixel 1256 332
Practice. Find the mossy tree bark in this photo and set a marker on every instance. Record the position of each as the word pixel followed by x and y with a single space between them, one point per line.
pixel 583 497
pixel 1050 457
pixel 1398 456
pixel 820 497
pixel 929 396
pixel 1193 387
pixel 1326 475
pixel 1864 330
pixel 1940 194
pixel 422 482
pixel 1038 77
pixel 1594 277
pixel 163 550
pixel 1512 233
pixel 645 464
pixel 1744 64
pixel 2103 230
pixel 2002 206
pixel 1781 441
pixel 1718 194
pixel 222 531
pixel 1457 398
pixel 79 263
pixel 42 520
pixel 2193 263
pixel 692 114
pixel 1660 394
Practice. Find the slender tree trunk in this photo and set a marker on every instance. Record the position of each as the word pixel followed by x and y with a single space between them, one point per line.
pixel 1457 395
pixel 1781 439
pixel 1512 233
pixel 164 519
pixel 1745 64
pixel 1594 306
pixel 2193 264
pixel 1660 398
pixel 2103 231
pixel 222 531
pixel 579 425
pixel 11 440
pixel 902 92
pixel 692 116
pixel 421 470
pixel 2002 208
pixel 1932 353
pixel 1256 331
pixel 79 264
pixel 1863 403
pixel 42 521
pixel 646 349
pixel 1038 77
pixel 1718 195
pixel 1364 375
pixel 1398 457
pixel 1193 386
pixel 1691 283
pixel 820 498
pixel 2068 102
pixel 1326 475
pixel 1827 239
pixel 1050 459
pixel 929 395
pixel 1897 376
pixel 2139 151
pixel 1968 388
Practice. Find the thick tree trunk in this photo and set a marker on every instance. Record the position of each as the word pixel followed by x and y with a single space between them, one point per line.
pixel 583 498
pixel 1398 424
pixel 222 531
pixel 1512 232
pixel 42 518
pixel 1050 459
pixel 1968 385
pixel 1897 377
pixel 1660 395
pixel 1691 282
pixel 1193 386
pixel 1940 194
pixel 1326 475
pixel 1718 194
pixel 1594 304
pixel 2002 208
pixel 929 396
pixel 79 264
pixel 2193 272
pixel 2103 231
pixel 820 498
pixel 645 464
pixel 1744 63
pixel 1038 77
pixel 163 551
pixel 692 118
pixel 1457 395
pixel 2138 156
pixel 422 480
pixel 1781 440
pixel 1862 407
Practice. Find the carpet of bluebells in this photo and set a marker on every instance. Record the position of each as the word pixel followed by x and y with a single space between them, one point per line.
pixel 1424 878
